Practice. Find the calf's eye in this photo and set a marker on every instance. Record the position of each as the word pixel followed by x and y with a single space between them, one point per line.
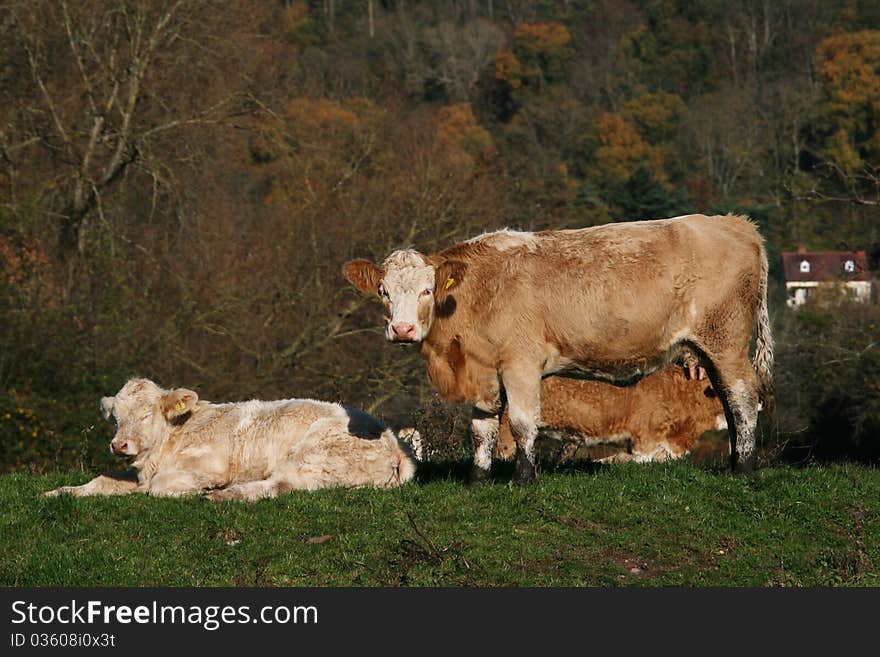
pixel 426 291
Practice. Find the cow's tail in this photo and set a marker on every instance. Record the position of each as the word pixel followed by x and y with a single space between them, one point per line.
pixel 763 361
pixel 413 438
pixel 407 463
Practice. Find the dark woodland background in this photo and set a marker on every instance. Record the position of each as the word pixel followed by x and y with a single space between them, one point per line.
pixel 180 183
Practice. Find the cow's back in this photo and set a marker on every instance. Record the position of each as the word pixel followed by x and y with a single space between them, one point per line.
pixel 618 293
pixel 248 439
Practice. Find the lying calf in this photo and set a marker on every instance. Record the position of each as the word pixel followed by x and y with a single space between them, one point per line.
pixel 246 450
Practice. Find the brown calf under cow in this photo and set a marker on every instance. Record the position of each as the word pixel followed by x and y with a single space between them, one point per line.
pixel 659 418
pixel 613 303
pixel 182 445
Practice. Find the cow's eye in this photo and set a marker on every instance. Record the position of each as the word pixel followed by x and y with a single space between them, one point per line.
pixel 383 292
pixel 427 291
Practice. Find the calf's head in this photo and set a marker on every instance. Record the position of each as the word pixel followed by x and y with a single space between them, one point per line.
pixel 411 286
pixel 144 414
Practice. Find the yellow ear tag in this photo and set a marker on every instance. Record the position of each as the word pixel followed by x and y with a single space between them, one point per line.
pixel 179 406
pixel 449 283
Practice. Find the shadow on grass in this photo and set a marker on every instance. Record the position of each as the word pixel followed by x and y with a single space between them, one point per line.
pixel 502 471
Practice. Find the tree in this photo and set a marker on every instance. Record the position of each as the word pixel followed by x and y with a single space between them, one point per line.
pixel 655 115
pixel 92 100
pixel 642 196
pixel 849 64
pixel 545 149
pixel 846 138
pixel 727 140
pixel 459 134
pixel 622 151
pixel 539 55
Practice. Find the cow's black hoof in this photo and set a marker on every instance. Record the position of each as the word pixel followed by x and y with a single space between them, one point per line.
pixel 743 466
pixel 525 478
pixel 478 476
pixel 525 471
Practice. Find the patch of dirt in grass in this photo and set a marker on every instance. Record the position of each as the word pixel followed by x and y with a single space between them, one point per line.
pixel 632 565
pixel 591 568
pixel 708 557
pixel 583 524
pixel 851 565
pixel 552 565
pixel 861 559
pixel 726 547
pixel 254 573
pixel 229 536
pixel 691 553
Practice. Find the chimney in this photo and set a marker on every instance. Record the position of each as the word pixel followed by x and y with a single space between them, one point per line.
pixel 802 248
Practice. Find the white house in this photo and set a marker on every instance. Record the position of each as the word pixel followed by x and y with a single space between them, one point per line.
pixel 806 273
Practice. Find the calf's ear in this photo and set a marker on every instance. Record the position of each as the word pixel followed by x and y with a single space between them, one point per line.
pixel 448 275
pixel 107 406
pixel 364 275
pixel 178 402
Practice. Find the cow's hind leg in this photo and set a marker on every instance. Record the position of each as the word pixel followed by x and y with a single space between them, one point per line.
pixel 484 426
pixel 523 388
pixel 738 384
pixel 248 491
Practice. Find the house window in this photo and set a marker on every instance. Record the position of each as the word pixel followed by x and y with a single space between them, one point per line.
pixel 849 266
pixel 805 266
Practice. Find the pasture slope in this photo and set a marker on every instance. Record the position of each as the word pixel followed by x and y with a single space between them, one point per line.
pixel 677 524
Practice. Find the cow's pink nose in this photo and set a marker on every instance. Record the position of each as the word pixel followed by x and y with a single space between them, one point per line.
pixel 403 331
pixel 119 446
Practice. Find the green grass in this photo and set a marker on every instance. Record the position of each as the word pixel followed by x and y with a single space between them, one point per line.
pixel 657 525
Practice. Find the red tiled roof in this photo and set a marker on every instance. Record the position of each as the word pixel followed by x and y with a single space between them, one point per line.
pixel 825 266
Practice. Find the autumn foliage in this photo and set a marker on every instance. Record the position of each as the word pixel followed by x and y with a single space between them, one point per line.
pixel 539 54
pixel 850 67
pixel 622 148
pixel 181 182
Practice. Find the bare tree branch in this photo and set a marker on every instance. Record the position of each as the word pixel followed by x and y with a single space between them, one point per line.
pixel 863 187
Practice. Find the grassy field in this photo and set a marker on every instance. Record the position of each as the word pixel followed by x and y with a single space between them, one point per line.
pixel 626 525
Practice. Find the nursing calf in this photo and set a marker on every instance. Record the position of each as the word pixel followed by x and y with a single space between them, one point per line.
pixel 181 445
pixel 659 418
pixel 494 315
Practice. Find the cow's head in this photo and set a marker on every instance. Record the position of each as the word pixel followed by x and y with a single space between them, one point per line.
pixel 144 414
pixel 411 286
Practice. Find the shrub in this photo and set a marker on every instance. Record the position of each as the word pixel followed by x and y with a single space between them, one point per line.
pixel 827 380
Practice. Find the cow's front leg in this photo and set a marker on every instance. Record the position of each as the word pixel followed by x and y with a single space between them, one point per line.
pixel 112 483
pixel 174 483
pixel 523 387
pixel 484 426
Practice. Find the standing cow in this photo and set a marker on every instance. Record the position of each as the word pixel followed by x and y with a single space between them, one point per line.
pixel 614 303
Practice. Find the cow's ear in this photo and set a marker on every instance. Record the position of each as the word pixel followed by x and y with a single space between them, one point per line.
pixel 364 275
pixel 178 402
pixel 107 406
pixel 448 275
